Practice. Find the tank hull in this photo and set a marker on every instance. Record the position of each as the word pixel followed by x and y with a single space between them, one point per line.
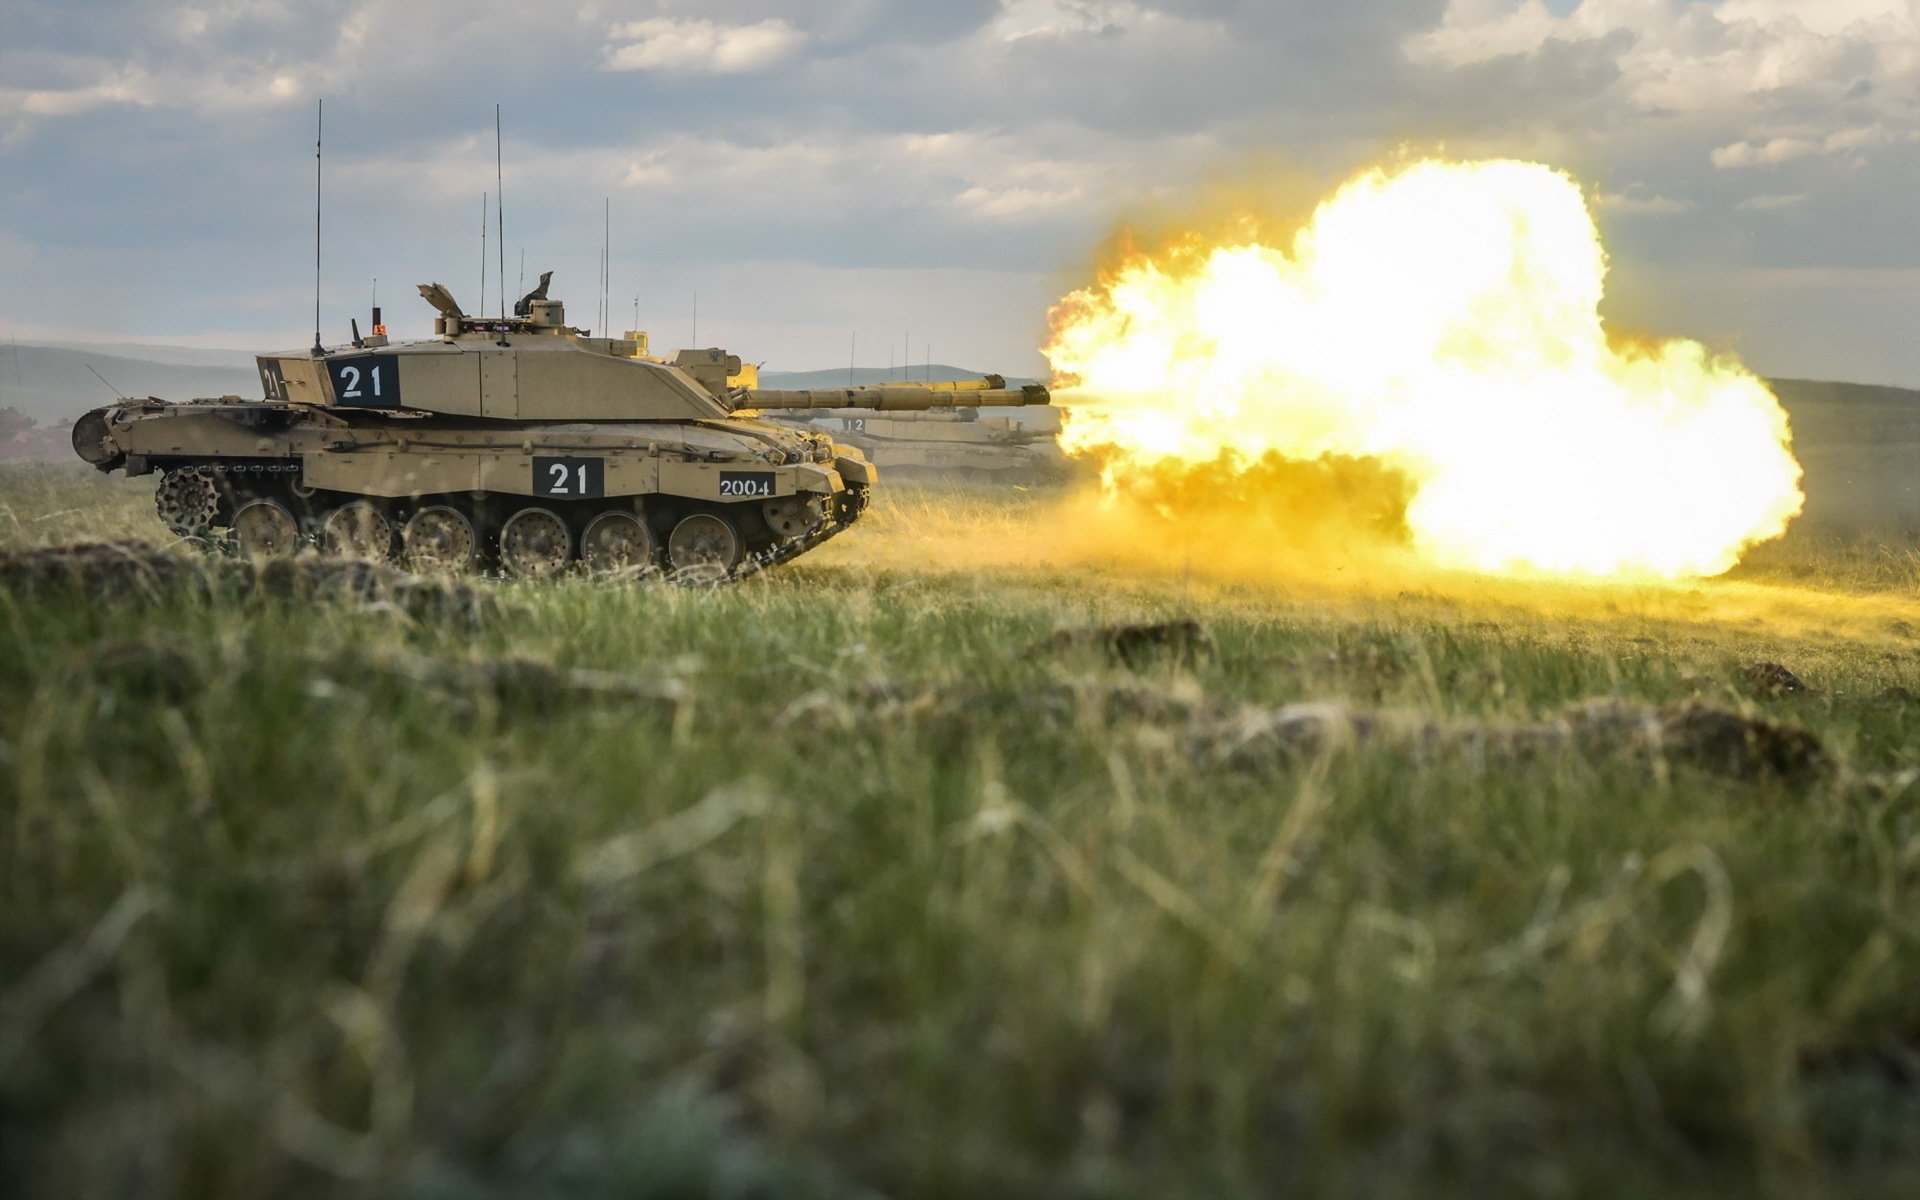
pixel 766 493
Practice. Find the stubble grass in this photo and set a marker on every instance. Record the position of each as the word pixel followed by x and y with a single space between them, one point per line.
pixel 865 891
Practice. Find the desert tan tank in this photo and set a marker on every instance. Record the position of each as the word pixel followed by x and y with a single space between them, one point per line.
pixel 957 440
pixel 519 443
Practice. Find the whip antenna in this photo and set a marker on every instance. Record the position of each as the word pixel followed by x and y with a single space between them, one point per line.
pixel 500 209
pixel 319 131
pixel 103 379
pixel 481 310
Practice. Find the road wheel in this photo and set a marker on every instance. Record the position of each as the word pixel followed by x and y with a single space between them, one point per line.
pixel 703 545
pixel 535 544
pixel 616 541
pixel 439 538
pixel 797 515
pixel 358 530
pixel 265 529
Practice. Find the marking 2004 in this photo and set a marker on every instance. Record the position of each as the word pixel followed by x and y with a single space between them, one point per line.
pixel 569 478
pixel 740 485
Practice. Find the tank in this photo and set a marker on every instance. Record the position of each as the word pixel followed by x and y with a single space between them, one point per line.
pixel 520 444
pixel 956 440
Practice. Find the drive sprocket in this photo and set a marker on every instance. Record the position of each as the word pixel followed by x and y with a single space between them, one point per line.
pixel 188 501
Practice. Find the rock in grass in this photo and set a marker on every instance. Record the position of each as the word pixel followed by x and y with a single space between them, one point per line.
pixel 522 684
pixel 135 571
pixel 1714 739
pixel 1734 744
pixel 1771 681
pixel 106 570
pixel 1184 642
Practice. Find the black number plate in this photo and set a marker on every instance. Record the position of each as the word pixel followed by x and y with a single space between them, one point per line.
pixel 272 383
pixel 365 381
pixel 738 484
pixel 570 478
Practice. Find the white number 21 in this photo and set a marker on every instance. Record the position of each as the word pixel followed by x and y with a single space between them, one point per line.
pixel 351 377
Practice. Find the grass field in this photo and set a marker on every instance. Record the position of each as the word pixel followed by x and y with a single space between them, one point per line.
pixel 855 879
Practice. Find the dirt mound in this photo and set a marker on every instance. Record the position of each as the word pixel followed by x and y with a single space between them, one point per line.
pixel 1715 739
pixel 111 571
pixel 1771 681
pixel 1184 641
pixel 1216 734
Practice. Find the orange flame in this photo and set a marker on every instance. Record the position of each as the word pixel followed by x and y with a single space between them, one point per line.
pixel 1443 320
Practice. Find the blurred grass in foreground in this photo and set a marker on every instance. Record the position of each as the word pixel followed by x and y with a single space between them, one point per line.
pixel 276 919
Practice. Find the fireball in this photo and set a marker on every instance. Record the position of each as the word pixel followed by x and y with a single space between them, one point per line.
pixel 1442 320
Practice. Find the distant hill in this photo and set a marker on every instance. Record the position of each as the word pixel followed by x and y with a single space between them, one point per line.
pixel 52 383
pixel 1859 443
pixel 178 356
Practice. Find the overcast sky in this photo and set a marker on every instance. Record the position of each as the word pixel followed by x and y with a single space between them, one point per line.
pixel 824 168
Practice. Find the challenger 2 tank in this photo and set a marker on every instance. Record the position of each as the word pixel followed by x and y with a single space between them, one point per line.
pixel 953 440
pixel 520 443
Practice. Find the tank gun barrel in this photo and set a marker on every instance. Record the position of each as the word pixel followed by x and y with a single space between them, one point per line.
pixel 991 392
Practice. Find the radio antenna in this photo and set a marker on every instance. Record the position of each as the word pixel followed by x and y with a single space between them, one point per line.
pixel 606 264
pixel 500 209
pixel 853 341
pixel 319 132
pixel 103 379
pixel 481 310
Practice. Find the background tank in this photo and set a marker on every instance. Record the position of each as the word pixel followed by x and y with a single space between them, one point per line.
pixel 957 439
pixel 521 442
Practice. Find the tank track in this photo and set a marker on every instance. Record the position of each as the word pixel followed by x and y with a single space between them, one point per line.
pixel 199 502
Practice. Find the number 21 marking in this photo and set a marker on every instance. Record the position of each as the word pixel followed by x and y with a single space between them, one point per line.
pixel 557 479
pixel 352 376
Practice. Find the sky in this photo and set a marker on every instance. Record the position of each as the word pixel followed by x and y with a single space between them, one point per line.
pixel 836 178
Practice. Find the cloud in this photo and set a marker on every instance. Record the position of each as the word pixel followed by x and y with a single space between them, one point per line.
pixel 1058 18
pixel 1015 203
pixel 1754 62
pixel 1764 154
pixel 1636 203
pixel 1771 203
pixel 1786 149
pixel 120 88
pixel 701 46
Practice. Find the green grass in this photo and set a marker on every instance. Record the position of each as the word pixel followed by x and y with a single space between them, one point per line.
pixel 886 902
